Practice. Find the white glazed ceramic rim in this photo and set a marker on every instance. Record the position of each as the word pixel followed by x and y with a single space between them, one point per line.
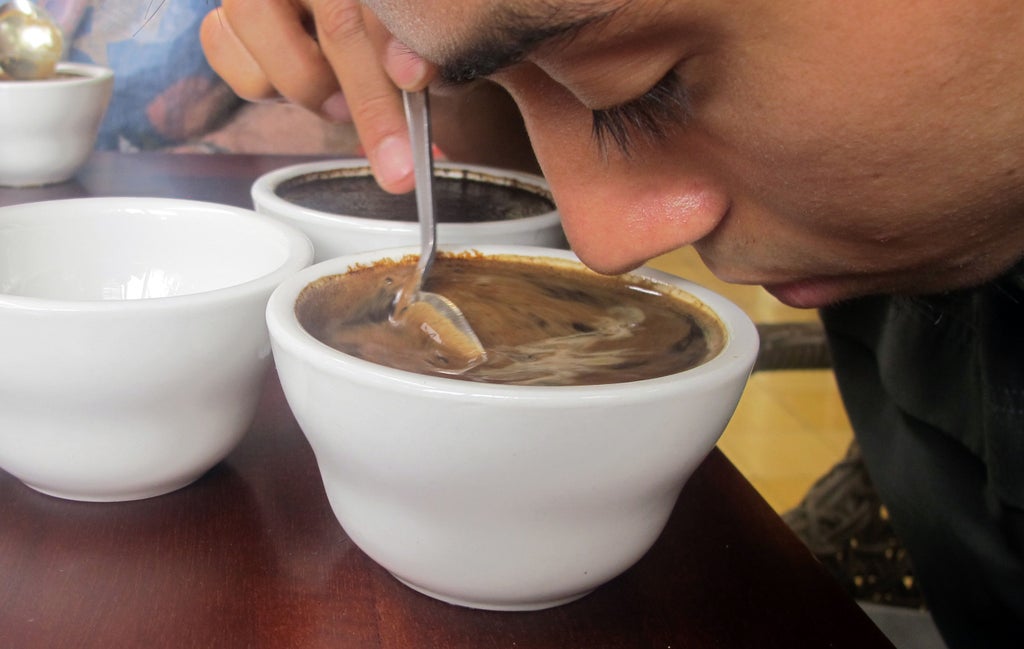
pixel 264 194
pixel 82 74
pixel 737 355
pixel 299 252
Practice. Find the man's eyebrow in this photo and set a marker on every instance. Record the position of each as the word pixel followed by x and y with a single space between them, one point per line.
pixel 510 34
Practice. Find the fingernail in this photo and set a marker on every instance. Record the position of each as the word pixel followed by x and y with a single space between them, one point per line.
pixel 405 67
pixel 392 160
pixel 336 108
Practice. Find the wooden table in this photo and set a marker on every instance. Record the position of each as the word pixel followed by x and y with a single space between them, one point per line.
pixel 251 555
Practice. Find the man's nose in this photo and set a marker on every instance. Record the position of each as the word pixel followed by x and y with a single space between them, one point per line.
pixel 616 221
pixel 618 210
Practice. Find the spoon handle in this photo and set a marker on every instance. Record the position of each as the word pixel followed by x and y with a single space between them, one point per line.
pixel 417 114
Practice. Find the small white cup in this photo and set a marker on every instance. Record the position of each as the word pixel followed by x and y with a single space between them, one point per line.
pixel 49 126
pixel 504 497
pixel 335 234
pixel 134 345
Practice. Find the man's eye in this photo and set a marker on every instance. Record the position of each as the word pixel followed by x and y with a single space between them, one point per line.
pixel 649 117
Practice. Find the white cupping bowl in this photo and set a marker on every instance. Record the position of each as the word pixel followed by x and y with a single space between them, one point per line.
pixel 338 233
pixel 503 496
pixel 48 127
pixel 133 339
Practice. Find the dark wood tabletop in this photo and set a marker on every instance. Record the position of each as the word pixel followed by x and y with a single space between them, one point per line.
pixel 251 555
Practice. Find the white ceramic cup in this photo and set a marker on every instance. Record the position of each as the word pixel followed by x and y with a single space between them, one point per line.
pixel 48 127
pixel 334 235
pixel 133 341
pixel 503 497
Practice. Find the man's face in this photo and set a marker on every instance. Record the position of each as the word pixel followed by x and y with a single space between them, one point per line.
pixel 824 149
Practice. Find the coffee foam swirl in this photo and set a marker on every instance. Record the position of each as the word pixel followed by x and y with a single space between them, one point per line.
pixel 541 323
pixel 562 360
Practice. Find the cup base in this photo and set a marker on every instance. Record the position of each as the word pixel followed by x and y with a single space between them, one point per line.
pixel 139 494
pixel 495 605
pixel 20 182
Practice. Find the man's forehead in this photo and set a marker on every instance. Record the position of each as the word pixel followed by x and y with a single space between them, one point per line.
pixel 431 27
pixel 470 38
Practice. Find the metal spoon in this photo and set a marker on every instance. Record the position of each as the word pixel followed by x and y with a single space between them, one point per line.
pixel 31 44
pixel 435 315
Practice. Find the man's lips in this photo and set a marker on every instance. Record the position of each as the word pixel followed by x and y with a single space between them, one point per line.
pixel 810 293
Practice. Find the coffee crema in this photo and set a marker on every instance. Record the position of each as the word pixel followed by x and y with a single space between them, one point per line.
pixel 460 196
pixel 543 321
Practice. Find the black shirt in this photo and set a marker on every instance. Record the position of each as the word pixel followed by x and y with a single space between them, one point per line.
pixel 934 387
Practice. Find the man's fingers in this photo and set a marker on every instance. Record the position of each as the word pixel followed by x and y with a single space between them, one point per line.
pixel 275 35
pixel 406 68
pixel 229 59
pixel 372 98
pixel 265 48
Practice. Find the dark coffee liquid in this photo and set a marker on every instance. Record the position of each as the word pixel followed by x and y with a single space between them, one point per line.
pixel 542 321
pixel 460 196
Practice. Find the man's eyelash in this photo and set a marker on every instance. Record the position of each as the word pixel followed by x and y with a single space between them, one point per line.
pixel 650 116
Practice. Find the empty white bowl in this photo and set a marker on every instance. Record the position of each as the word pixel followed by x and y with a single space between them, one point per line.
pixel 505 497
pixel 347 228
pixel 49 126
pixel 134 345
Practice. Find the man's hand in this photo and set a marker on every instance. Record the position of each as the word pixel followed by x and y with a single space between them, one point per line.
pixel 308 51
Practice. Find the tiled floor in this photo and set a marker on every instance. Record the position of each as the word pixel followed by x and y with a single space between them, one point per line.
pixel 790 426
